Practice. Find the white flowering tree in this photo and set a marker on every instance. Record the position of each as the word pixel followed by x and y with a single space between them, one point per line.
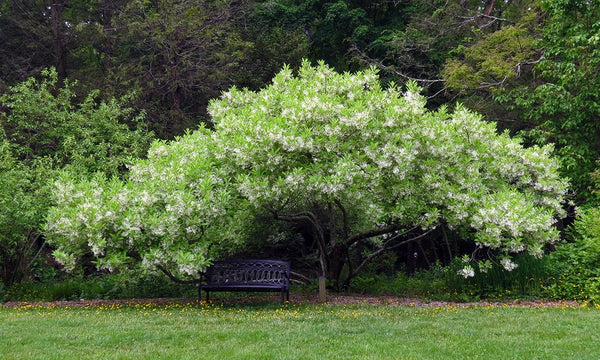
pixel 169 215
pixel 349 164
pixel 353 162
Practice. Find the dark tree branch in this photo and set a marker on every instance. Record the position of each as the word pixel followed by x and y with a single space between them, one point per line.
pixel 304 280
pixel 371 233
pixel 320 235
pixel 386 247
pixel 344 216
pixel 493 20
pixel 174 278
pixel 37 254
pixel 379 64
pixel 533 62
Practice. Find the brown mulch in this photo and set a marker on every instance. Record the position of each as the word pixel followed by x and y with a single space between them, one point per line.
pixel 332 299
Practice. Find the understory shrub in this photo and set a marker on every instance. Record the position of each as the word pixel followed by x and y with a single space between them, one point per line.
pixel 576 263
pixel 444 283
pixel 113 286
pixel 527 280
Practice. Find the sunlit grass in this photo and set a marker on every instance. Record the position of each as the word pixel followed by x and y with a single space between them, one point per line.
pixel 189 331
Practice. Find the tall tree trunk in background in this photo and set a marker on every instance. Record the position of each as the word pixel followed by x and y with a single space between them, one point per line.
pixel 57 26
pixel 489 7
pixel 108 29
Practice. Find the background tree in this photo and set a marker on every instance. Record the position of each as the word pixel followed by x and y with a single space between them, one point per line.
pixel 24 199
pixel 355 168
pixel 33 38
pixel 274 42
pixel 333 28
pixel 489 68
pixel 562 101
pixel 432 33
pixel 178 54
pixel 538 73
pixel 44 120
pixel 45 131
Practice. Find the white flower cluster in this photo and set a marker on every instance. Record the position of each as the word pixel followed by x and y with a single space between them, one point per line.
pixel 508 264
pixel 466 272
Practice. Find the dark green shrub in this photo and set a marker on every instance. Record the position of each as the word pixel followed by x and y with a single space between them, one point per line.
pixel 113 286
pixel 526 281
pixel 427 284
pixel 152 285
pixel 27 291
pixel 444 283
pixel 576 263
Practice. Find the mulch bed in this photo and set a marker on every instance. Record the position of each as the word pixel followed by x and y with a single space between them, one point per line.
pixel 333 299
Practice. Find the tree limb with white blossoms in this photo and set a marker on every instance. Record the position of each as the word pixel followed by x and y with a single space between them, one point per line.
pixel 351 162
pixel 345 162
pixel 172 214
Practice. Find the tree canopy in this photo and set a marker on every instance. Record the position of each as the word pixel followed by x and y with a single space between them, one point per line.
pixel 172 213
pixel 352 166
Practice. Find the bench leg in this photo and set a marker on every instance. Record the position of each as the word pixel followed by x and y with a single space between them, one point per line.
pixel 285 295
pixel 200 294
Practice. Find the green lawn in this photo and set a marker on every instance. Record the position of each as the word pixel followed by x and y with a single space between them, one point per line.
pixel 186 331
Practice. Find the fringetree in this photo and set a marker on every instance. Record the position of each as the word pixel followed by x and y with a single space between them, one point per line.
pixel 350 163
pixel 174 213
pixel 355 168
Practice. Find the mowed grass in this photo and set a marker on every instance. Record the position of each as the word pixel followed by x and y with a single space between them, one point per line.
pixel 189 331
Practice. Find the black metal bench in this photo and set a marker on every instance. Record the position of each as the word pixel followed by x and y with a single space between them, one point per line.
pixel 248 276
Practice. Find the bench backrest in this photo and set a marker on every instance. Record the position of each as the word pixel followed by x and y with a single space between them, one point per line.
pixel 274 273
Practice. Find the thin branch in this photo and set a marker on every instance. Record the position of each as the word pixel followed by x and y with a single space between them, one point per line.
pixel 485 85
pixel 521 63
pixel 371 233
pixel 344 216
pixel 303 279
pixel 437 93
pixel 423 252
pixel 319 234
pixel 37 254
pixel 332 224
pixel 386 248
pixel 174 278
pixel 379 64
pixel 493 20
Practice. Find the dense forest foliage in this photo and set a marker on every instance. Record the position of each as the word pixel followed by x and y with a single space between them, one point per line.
pixel 85 85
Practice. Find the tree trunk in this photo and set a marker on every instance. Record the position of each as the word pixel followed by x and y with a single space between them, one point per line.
pixel 489 7
pixel 57 26
pixel 107 12
pixel 336 260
